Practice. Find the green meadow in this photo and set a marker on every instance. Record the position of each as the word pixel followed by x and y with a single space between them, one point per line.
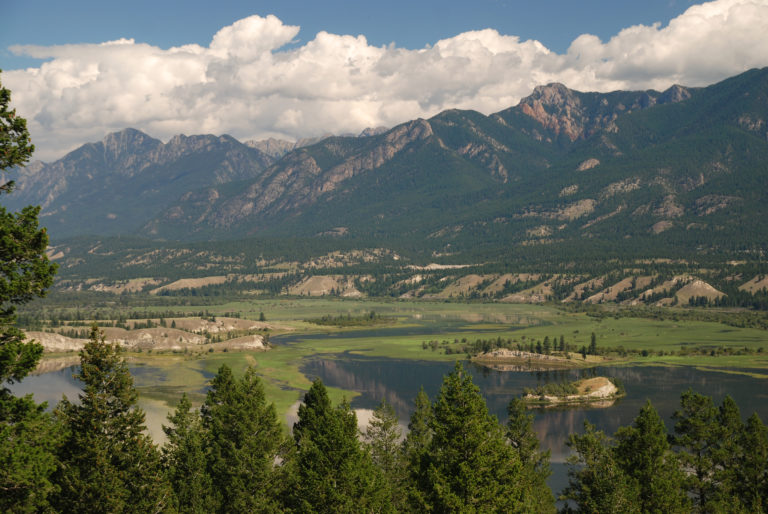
pixel 163 377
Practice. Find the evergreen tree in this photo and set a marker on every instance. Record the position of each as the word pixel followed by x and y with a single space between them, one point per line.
pixel 696 434
pixel 470 465
pixel 752 466
pixel 108 463
pixel 331 471
pixel 725 455
pixel 415 446
pixel 185 460
pixel 244 438
pixel 27 435
pixel 596 482
pixel 535 462
pixel 643 452
pixel 28 441
pixel 383 436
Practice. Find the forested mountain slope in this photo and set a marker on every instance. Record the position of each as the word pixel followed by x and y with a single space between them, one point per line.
pixel 563 171
pixel 680 168
pixel 116 185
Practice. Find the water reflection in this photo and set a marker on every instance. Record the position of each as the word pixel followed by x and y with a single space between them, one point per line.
pixel 50 386
pixel 399 380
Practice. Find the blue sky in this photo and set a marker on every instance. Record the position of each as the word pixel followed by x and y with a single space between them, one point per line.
pixel 409 24
pixel 81 69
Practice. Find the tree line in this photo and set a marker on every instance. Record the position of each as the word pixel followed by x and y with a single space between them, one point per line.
pixel 232 455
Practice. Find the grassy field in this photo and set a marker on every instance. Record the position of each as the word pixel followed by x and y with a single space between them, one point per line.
pixel 163 377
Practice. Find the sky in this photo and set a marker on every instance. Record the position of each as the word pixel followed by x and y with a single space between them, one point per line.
pixel 292 69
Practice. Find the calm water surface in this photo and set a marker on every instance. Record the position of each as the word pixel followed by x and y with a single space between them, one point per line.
pixel 399 380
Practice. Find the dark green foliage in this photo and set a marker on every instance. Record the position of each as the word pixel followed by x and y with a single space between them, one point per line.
pixel 469 464
pixel 25 271
pixel 696 434
pixel 28 441
pixel 535 462
pixel 643 452
pixel 330 470
pixel 752 466
pixel 185 458
pixel 553 389
pixel 108 463
pixel 370 318
pixel 722 464
pixel 637 472
pixel 15 147
pixel 597 483
pixel 243 439
pixel 716 446
pixel 415 446
pixel 727 448
pixel 28 435
pixel 522 437
pixel 383 436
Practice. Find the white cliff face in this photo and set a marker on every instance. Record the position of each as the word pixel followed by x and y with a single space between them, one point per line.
pixel 56 343
pixel 146 339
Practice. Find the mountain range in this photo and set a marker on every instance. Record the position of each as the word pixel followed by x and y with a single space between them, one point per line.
pixel 680 170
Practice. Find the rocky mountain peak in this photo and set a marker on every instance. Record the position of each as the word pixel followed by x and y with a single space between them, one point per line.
pixel 119 145
pixel 557 108
pixel 408 132
pixel 373 131
pixel 675 94
pixel 579 115
pixel 275 148
pixel 554 94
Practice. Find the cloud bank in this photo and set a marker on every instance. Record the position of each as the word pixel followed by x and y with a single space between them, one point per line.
pixel 253 82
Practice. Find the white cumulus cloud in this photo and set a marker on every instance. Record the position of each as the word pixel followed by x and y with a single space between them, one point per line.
pixel 254 81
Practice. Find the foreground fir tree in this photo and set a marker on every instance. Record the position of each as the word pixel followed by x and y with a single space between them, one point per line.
pixel 108 463
pixel 470 466
pixel 727 449
pixel 185 457
pixel 644 453
pixel 383 436
pixel 597 484
pixel 330 470
pixel 696 434
pixel 244 438
pixel 415 446
pixel 752 466
pixel 27 435
pixel 535 462
pixel 28 440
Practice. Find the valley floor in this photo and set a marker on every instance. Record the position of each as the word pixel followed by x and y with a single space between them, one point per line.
pixel 438 332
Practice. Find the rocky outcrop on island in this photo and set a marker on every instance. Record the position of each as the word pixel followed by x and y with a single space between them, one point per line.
pixel 504 355
pixel 600 390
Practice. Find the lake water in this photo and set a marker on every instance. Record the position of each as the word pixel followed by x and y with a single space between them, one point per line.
pixel 399 380
pixel 51 386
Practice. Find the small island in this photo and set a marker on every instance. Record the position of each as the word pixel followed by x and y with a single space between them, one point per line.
pixel 597 391
pixel 348 320
pixel 507 359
